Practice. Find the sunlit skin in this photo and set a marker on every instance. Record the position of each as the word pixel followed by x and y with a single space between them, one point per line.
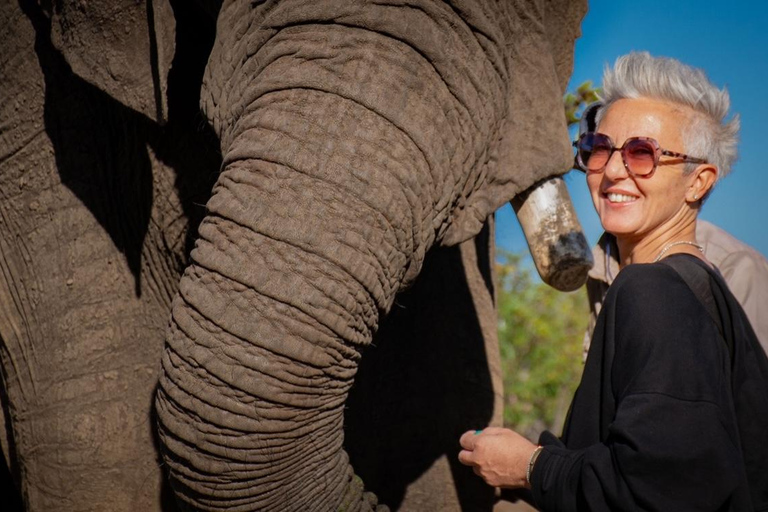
pixel 661 208
pixel 498 455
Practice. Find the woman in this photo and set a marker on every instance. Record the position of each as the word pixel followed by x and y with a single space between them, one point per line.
pixel 672 409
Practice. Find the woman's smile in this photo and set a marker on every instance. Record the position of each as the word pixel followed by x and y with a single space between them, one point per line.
pixel 618 197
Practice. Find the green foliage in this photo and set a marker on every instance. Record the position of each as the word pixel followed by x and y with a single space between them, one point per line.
pixel 574 102
pixel 540 337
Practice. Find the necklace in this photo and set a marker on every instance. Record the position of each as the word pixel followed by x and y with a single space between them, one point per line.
pixel 679 242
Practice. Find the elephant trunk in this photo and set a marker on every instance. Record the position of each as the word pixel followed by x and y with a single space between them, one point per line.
pixel 349 138
pixel 553 232
pixel 342 162
pixel 291 273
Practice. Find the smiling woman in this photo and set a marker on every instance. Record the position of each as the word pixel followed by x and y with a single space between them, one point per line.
pixel 649 208
pixel 737 59
pixel 672 408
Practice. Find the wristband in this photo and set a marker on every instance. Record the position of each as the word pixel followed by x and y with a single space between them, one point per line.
pixel 531 462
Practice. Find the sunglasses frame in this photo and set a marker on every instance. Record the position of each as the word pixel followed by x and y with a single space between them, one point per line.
pixel 657 154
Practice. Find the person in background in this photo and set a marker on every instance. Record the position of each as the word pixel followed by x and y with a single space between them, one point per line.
pixel 672 409
pixel 744 269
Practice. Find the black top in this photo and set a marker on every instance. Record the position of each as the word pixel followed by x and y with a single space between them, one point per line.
pixel 662 408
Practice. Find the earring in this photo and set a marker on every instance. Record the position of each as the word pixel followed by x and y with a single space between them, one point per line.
pixel 695 197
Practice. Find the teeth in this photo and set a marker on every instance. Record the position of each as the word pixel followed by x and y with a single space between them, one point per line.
pixel 619 198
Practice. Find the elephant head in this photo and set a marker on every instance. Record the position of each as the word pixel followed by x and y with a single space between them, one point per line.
pixel 355 136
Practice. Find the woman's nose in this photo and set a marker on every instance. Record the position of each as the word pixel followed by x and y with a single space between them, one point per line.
pixel 614 168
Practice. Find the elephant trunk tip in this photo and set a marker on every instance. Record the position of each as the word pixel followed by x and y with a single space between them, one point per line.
pixel 570 260
pixel 554 235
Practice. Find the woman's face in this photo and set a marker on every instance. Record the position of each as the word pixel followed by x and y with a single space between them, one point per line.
pixel 630 206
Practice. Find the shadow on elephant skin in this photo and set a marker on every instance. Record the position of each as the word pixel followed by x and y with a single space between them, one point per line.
pixel 168 501
pixel 423 382
pixel 9 469
pixel 101 146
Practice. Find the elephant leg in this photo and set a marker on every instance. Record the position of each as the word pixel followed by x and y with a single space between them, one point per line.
pixel 77 366
pixel 92 239
pixel 431 373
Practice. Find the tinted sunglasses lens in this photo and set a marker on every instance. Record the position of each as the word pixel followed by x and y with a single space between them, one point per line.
pixel 594 151
pixel 640 156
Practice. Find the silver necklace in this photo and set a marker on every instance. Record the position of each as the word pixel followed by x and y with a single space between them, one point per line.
pixel 679 242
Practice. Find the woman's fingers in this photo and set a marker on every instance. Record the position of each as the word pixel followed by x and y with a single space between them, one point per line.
pixel 466 458
pixel 470 437
pixel 467 440
pixel 498 455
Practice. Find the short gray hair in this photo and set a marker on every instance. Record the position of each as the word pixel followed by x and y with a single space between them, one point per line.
pixel 639 75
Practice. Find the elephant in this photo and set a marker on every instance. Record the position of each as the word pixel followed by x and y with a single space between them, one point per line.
pixel 246 247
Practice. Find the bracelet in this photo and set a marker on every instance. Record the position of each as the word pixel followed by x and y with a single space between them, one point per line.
pixel 531 462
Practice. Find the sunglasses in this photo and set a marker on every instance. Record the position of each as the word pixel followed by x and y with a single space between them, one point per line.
pixel 639 154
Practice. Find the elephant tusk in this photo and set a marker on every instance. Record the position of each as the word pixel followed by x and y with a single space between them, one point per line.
pixel 558 245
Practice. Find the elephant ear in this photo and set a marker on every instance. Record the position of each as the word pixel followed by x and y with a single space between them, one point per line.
pixel 562 24
pixel 123 47
pixel 533 141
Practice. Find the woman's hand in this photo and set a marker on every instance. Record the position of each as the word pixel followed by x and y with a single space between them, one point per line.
pixel 498 455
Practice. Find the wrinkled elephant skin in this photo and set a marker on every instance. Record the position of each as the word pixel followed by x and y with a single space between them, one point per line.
pixel 333 331
pixel 365 136
pixel 98 211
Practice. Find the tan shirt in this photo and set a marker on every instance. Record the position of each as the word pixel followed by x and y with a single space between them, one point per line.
pixel 744 269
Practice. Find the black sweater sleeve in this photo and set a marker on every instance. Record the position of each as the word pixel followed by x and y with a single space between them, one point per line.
pixel 671 444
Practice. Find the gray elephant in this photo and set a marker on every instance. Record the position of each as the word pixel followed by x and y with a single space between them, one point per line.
pixel 338 303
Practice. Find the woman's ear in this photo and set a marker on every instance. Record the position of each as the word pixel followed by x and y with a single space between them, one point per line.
pixel 704 178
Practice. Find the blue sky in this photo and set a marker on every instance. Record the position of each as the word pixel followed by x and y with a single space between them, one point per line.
pixel 729 41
